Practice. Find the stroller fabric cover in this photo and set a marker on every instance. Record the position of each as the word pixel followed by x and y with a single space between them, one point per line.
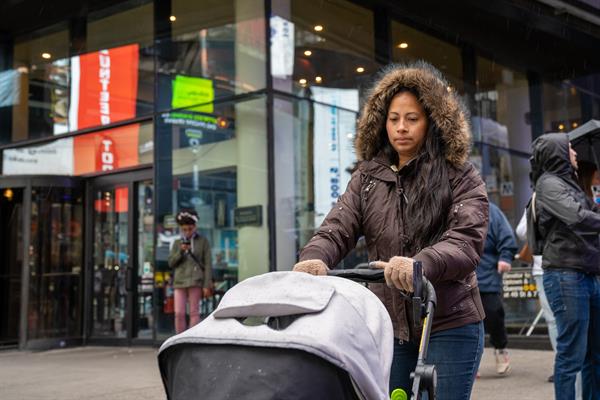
pixel 334 319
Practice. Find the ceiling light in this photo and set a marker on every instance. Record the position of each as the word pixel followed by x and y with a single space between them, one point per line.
pixel 360 70
pixel 46 56
pixel 318 79
pixel 561 127
pixel 403 45
pixel 302 81
pixel 318 28
pixel 8 194
pixel 307 53
pixel 574 124
pixel 172 18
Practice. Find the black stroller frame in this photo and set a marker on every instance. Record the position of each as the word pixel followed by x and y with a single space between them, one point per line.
pixel 424 301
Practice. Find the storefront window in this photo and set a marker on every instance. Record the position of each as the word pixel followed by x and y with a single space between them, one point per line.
pixel 501 116
pixel 51 91
pixel 217 49
pixel 103 151
pixel 506 175
pixel 411 45
pixel 314 161
pixel 217 167
pixel 55 263
pixel 562 109
pixel 330 44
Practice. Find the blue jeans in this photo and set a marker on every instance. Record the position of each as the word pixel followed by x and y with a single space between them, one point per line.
pixel 575 301
pixel 455 352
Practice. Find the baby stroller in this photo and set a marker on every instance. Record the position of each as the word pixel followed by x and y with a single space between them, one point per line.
pixel 289 335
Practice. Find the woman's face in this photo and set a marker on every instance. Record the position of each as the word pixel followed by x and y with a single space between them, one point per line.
pixel 406 125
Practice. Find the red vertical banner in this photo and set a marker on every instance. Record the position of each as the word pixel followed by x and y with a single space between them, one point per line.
pixel 108 84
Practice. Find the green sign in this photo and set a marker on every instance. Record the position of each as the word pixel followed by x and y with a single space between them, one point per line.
pixel 189 91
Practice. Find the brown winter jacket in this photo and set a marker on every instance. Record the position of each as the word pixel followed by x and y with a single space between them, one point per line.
pixel 374 205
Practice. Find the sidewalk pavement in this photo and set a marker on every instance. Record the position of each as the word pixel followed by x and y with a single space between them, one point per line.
pixel 120 373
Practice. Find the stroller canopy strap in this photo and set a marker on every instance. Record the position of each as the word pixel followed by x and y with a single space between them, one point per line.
pixel 287 294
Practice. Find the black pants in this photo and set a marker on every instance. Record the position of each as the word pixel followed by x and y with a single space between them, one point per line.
pixel 494 319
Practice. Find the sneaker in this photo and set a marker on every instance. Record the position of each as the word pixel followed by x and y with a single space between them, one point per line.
pixel 502 362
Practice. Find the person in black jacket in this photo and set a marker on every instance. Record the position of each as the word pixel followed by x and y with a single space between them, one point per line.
pixel 567 225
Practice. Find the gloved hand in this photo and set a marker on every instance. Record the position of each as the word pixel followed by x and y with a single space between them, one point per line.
pixel 398 272
pixel 313 267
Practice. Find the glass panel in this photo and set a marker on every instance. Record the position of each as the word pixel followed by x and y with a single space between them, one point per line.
pixel 107 150
pixel 329 44
pixel 145 256
pixel 56 256
pixel 217 49
pixel 218 165
pixel 562 106
pixel 506 175
pixel 411 45
pixel 502 112
pixel 40 85
pixel 11 263
pixel 50 90
pixel 312 169
pixel 111 261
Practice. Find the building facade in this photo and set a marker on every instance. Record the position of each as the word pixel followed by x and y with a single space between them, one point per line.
pixel 114 115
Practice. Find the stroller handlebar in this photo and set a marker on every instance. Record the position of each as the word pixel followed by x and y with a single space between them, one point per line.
pixel 367 273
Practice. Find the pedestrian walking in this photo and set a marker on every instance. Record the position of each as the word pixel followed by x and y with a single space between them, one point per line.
pixel 564 226
pixel 498 253
pixel 414 196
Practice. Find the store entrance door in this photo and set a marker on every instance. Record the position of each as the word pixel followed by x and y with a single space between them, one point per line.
pixel 11 263
pixel 121 258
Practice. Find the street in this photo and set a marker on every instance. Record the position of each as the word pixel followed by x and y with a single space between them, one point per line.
pixel 122 373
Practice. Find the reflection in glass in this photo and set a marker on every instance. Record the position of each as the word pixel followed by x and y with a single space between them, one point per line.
pixel 55 258
pixel 145 257
pixel 312 169
pixel 411 45
pixel 107 150
pixel 501 106
pixel 218 164
pixel 111 261
pixel 217 49
pixel 339 53
pixel 50 91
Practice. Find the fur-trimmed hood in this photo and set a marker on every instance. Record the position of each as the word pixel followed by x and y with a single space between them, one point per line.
pixel 440 101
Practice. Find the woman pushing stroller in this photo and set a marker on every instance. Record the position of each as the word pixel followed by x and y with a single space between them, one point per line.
pixel 414 196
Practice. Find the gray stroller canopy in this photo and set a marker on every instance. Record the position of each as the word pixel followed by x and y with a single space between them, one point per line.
pixel 333 318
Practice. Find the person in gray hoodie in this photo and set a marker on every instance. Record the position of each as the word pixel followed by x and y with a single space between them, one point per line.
pixel 564 226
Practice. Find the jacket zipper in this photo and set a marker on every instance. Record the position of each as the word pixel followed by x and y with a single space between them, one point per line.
pixel 402 196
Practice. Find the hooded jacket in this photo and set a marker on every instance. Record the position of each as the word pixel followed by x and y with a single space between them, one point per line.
pixel 567 222
pixel 374 205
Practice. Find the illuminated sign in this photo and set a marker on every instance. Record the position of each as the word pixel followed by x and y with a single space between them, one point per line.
pixel 189 91
pixel 104 87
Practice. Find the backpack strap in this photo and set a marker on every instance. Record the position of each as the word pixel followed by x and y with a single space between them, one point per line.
pixel 533 212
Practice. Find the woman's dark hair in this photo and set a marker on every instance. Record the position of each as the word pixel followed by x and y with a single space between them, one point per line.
pixel 428 206
pixel 187 217
pixel 585 176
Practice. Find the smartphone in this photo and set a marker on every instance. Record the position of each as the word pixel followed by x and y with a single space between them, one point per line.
pixel 596 193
